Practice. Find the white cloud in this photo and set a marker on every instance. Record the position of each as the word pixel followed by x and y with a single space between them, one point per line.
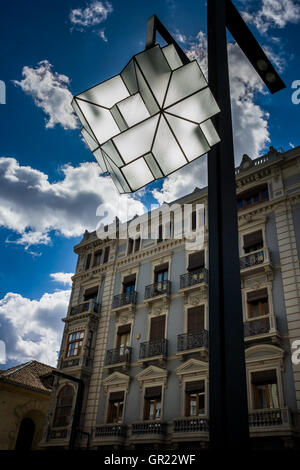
pixel 90 17
pixel 32 207
pixel 50 92
pixel 32 329
pixel 62 278
pixel 250 121
pixel 273 14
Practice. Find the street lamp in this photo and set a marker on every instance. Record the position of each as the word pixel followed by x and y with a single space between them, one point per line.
pixel 157 116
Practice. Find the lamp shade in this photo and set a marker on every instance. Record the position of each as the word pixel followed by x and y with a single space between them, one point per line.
pixel 150 120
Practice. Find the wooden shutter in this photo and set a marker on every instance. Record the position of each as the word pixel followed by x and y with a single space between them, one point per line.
pixel 252 239
pixel 161 267
pixel 196 260
pixel 157 330
pixel 124 329
pixel 195 386
pixel 195 319
pixel 116 396
pixel 129 279
pixel 264 377
pixel 91 293
pixel 257 295
pixel 153 392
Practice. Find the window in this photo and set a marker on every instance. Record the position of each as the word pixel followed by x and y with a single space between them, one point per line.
pixel 195 398
pixel 196 263
pixel 253 197
pixel 265 390
pixel 195 319
pixel 123 340
pixel 115 407
pixel 194 221
pixel 63 409
pixel 106 255
pixel 157 328
pixel 74 346
pixel 97 257
pixel 137 244
pixel 129 287
pixel 89 343
pixel 88 261
pixel 91 294
pixel 253 241
pixel 130 246
pixel 161 276
pixel 160 234
pixel 258 304
pixel 152 403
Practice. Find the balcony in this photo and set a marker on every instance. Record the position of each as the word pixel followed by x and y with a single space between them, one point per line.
pixel 189 281
pixel 260 327
pixel 153 350
pixel 119 357
pixel 271 422
pixel 158 289
pixel 76 362
pixel 124 300
pixel 148 431
pixel 110 434
pixel 192 342
pixel 257 261
pixel 89 306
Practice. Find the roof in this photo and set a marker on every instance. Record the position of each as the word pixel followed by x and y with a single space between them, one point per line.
pixel 31 375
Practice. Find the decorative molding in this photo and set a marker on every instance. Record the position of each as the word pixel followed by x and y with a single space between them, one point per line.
pixel 191 368
pixel 152 375
pixel 116 381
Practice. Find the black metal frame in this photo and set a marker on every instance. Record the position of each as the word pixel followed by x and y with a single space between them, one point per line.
pixel 229 427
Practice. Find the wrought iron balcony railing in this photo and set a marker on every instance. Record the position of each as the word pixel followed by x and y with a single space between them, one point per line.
pixel 192 340
pixel 158 288
pixel 111 430
pixel 259 326
pixel 190 279
pixel 116 356
pixel 158 347
pixel 90 306
pixel 254 259
pixel 124 299
pixel 191 424
pixel 149 427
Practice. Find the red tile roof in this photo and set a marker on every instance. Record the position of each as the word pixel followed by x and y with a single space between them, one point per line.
pixel 28 375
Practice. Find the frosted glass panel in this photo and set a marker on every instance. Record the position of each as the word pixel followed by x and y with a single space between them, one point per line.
pixel 156 71
pixel 153 166
pixel 136 141
pixel 184 82
pixel 129 77
pixel 89 140
pixel 210 132
pixel 133 109
pixel 190 137
pixel 137 174
pixel 112 152
pixel 100 159
pixel 172 56
pixel 118 177
pixel 146 93
pixel 81 116
pixel 166 150
pixel 107 93
pixel 197 108
pixel 118 118
pixel 101 121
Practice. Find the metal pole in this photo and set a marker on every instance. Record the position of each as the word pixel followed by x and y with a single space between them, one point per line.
pixel 227 375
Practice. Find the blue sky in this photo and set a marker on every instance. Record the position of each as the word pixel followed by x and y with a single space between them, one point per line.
pixel 50 185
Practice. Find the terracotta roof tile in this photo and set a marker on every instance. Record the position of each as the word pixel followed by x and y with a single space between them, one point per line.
pixel 28 375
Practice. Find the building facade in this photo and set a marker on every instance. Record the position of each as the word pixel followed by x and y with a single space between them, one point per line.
pixel 136 331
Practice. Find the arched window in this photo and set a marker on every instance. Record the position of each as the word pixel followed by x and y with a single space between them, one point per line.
pixel 64 404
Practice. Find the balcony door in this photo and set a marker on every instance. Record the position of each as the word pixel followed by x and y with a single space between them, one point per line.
pixel 157 328
pixel 161 274
pixel 129 287
pixel 195 319
pixel 115 407
pixel 152 403
pixel 265 390
pixel 258 304
pixel 253 242
pixel 195 398
pixel 123 340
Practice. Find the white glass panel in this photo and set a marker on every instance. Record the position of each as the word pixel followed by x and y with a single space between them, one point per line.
pixel 153 166
pixel 146 93
pixel 117 177
pixel 129 77
pixel 156 71
pixel 112 153
pixel 166 150
pixel 99 157
pixel 184 82
pixel 210 132
pixel 190 137
pixel 133 109
pixel 118 118
pixel 197 108
pixel 107 93
pixel 137 174
pixel 100 120
pixel 172 56
pixel 81 116
pixel 136 141
pixel 92 144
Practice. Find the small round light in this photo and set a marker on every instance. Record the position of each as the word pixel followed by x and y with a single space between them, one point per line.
pixel 262 65
pixel 271 77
